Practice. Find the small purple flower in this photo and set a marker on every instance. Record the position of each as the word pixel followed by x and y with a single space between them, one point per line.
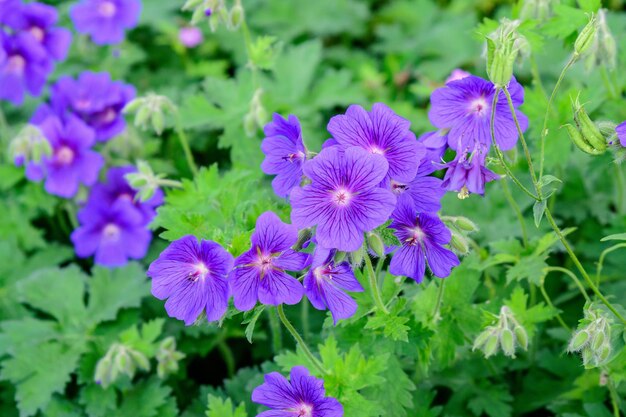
pixel 423 236
pixel 302 396
pixel 381 132
pixel 117 189
pixel 343 199
pixel 436 144
pixel 96 99
pixel 105 20
pixel 464 107
pixel 259 273
pixel 467 173
pixel 72 161
pixel 193 276
pixel 325 283
pixel 24 68
pixel 190 36
pixel 285 153
pixel 208 12
pixel 425 191
pixel 621 133
pixel 39 19
pixel 114 234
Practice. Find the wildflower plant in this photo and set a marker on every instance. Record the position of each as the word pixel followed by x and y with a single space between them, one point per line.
pixel 329 209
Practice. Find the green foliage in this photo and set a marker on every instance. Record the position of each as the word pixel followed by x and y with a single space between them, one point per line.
pixel 219 407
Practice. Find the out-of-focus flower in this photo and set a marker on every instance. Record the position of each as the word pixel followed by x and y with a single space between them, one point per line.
pixel 106 21
pixel 190 36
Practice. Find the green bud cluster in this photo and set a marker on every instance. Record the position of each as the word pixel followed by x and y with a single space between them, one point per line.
pixel 150 111
pixel 596 44
pixel 592 338
pixel 585 134
pixel 119 360
pixel 215 12
pixel 506 334
pixel 146 182
pixel 257 115
pixel 460 227
pixel 30 145
pixel 539 10
pixel 503 47
pixel 168 357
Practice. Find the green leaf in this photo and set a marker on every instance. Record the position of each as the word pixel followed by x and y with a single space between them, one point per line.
pixel 531 268
pixel 250 319
pixel 113 289
pixel 144 340
pixel 38 371
pixel 529 317
pixel 387 235
pixel 143 399
pixel 393 324
pixel 617 236
pixel 494 400
pixel 538 209
pixel 98 402
pixel 58 292
pixel 218 407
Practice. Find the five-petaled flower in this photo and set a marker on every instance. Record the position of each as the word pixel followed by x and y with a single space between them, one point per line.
pixel 259 273
pixel 302 396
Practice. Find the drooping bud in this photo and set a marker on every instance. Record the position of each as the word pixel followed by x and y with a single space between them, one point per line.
pixel 459 243
pixel 146 182
pixel 579 141
pixel 257 115
pixel 507 342
pixel 503 47
pixel 491 346
pixel 592 338
pixel 602 52
pixel 150 111
pixel 168 357
pixel 540 10
pixel 521 336
pixel 357 257
pixel 465 224
pixel 236 16
pixel 119 359
pixel 376 244
pixel 589 130
pixel 30 145
pixel 507 333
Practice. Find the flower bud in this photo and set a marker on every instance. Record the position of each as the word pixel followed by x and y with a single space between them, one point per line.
pixel 139 359
pixel 491 346
pixel 357 257
pixel 586 37
pixel 150 111
pixel 579 341
pixel 168 357
pixel 589 130
pixel 521 336
pixel 507 343
pixel 30 145
pixel 580 142
pixel 376 244
pixel 465 224
pixel 236 16
pixel 540 10
pixel 503 48
pixel 459 243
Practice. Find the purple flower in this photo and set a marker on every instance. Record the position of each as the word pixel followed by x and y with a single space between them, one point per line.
pixel 285 153
pixel 117 189
pixel 423 236
pixel 425 191
pixel 72 161
pixel 343 199
pixel 325 283
pixel 464 107
pixel 381 132
pixel 95 98
pixel 190 36
pixel 259 273
pixel 24 68
pixel 105 20
pixel 7 8
pixel 621 133
pixel 467 173
pixel 302 396
pixel 114 234
pixel 436 144
pixel 193 276
pixel 39 19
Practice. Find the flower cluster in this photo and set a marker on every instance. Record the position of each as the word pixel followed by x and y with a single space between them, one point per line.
pixel 372 174
pixel 113 223
pixel 106 21
pixel 81 112
pixel 30 44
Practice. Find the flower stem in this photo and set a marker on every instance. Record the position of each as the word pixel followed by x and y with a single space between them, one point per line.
pixel 580 267
pixel 499 153
pixel 277 337
pixel 184 143
pixel 601 260
pixel 572 276
pixel 544 130
pixel 228 357
pixel 549 302
pixel 374 285
pixel 620 186
pixel 299 340
pixel 439 299
pixel 516 209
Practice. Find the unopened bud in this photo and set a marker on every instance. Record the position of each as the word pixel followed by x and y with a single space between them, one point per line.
pixel 540 10
pixel 580 142
pixel 589 130
pixel 491 346
pixel 236 16
pixel 579 341
pixel 586 37
pixel 465 224
pixel 29 145
pixel 521 336
pixel 482 339
pixel 459 243
pixel 507 343
pixel 357 257
pixel 376 244
pixel 503 48
pixel 139 359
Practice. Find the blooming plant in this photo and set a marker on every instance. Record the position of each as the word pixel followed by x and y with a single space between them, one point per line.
pixel 312 209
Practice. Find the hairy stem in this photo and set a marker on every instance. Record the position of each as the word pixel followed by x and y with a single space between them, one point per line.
pixel 574 278
pixel 378 299
pixel 544 129
pixel 277 334
pixel 439 299
pixel 184 143
pixel 546 297
pixel 299 340
pixel 601 260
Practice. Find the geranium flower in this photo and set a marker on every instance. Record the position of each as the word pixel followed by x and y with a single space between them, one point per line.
pixel 259 273
pixel 23 68
pixel 106 21
pixel 193 277
pixel 425 191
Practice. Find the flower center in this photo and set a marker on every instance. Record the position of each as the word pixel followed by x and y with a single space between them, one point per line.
pixel 479 106
pixel 376 150
pixel 107 116
pixel 341 197
pixel 305 410
pixel 107 9
pixel 125 196
pixel 16 64
pixel 64 155
pixel 416 236
pixel 111 232
pixel 37 32
pixel 294 157
pixel 82 104
pixel 397 187
pixel 200 271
